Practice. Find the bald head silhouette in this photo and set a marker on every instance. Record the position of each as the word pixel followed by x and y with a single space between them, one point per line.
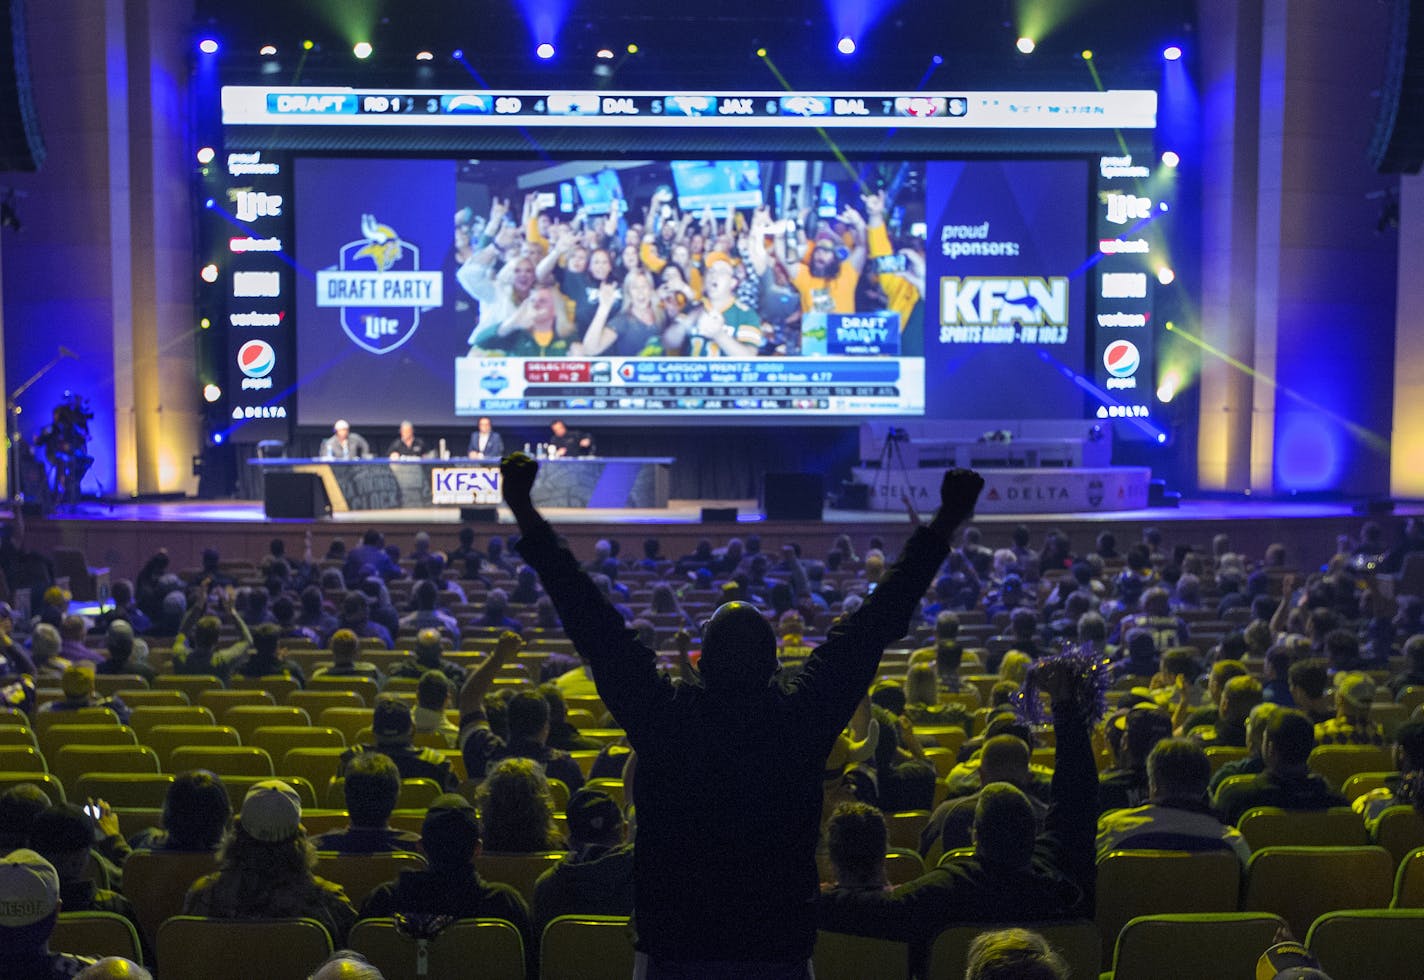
pixel 738 650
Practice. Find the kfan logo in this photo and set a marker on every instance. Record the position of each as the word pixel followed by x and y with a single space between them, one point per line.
pixel 379 287
pixel 987 301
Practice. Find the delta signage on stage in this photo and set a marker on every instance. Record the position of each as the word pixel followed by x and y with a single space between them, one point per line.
pixel 439 288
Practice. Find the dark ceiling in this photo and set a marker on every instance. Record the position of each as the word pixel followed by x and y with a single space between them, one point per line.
pixel 707 45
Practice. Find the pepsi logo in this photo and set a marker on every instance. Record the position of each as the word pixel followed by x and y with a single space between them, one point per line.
pixel 256 358
pixel 1122 359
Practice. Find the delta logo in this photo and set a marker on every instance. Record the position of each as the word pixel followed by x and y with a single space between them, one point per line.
pixel 1122 359
pixel 256 359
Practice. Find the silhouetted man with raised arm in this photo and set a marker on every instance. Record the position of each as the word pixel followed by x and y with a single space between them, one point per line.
pixel 730 763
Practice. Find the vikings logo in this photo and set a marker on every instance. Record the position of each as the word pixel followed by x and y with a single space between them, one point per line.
pixel 380 329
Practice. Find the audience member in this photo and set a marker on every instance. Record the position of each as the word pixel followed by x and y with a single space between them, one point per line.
pixel 1354 693
pixel 1132 733
pixel 1004 759
pixel 372 788
pixel 1404 788
pixel 393 727
pixel 1253 762
pixel 597 876
pixel 517 808
pixel 345 648
pixel 1013 954
pixel 1177 816
pixel 77 683
pixel 29 910
pixel 856 842
pixel 265 868
pixel 1309 688
pixel 432 694
pixel 1285 781
pixel 196 811
pixel 429 654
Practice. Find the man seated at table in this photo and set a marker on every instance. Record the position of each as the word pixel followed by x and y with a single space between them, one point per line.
pixel 569 442
pixel 485 443
pixel 407 444
pixel 345 444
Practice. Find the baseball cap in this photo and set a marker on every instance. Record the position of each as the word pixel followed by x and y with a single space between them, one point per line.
pixel 271 811
pixel 1289 961
pixel 592 814
pixel 77 681
pixel 451 829
pixel 29 889
pixel 1357 689
pixel 391 718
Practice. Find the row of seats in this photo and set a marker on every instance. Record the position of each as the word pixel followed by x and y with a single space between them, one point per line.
pixel 1350 945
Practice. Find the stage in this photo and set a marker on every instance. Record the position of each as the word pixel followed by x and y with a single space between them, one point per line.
pixel 123 535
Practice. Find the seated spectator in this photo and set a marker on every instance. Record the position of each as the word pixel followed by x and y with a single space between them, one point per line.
pixel 347 964
pixel 427 614
pixel 202 655
pixel 196 811
pixel 450 837
pixel 1141 660
pixel 1354 693
pixel 963 779
pixel 856 844
pixel 265 659
pixel 517 810
pixel 1285 781
pixel 345 648
pixel 597 876
pixel 372 789
pixel 1004 759
pixel 313 616
pixel 1406 788
pixel 922 699
pixel 114 968
pixel 1238 696
pixel 1276 688
pixel 1132 733
pixel 429 654
pixel 496 614
pixel 1013 954
pixel 393 726
pixel 29 886
pixel 1176 816
pixel 1413 673
pixel 64 835
pixel 1309 688
pixel 1185 718
pixel 265 868
pixel 77 683
pixel 356 617
pixel 123 653
pixel 20 806
pixel 1013 875
pixel 71 646
pixel 563 736
pixel 13 658
pixel 528 724
pixel 1253 763
pixel 44 650
pixel 121 594
pixel 1342 651
pixel 432 694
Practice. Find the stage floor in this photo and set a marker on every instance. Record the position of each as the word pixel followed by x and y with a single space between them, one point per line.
pixel 690 512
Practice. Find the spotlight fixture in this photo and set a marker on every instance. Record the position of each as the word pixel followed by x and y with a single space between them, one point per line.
pixel 1170 159
pixel 361 49
pixel 424 56
pixel 632 49
pixel 604 54
pixel 458 54
pixel 308 45
pixel 937 60
pixel 544 51
pixel 1161 437
pixel 211 393
pixel 209 273
pixel 1172 53
pixel 267 50
pixel 204 323
pixel 1026 45
pixel 208 45
pixel 1087 54
pixel 846 45
pixel 206 154
pixel 761 52
pixel 1166 276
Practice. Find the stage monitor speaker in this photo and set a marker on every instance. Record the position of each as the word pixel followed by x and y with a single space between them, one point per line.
pixel 299 495
pixel 21 146
pixel 1159 496
pixel 854 496
pixel 479 515
pixel 792 496
pixel 1398 143
pixel 719 515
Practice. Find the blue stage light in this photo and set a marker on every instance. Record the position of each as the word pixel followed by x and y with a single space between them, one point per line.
pixel 458 54
pixel 846 45
pixel 1172 53
pixel 208 45
pixel 544 51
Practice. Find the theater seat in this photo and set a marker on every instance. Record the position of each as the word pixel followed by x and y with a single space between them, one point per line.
pixel 241 949
pixel 157 881
pixel 590 947
pixel 1300 884
pixel 1369 944
pixel 1271 826
pixel 1400 830
pixel 839 956
pixel 225 760
pixel 360 874
pixel 96 934
pixel 468 947
pixel 1134 883
pixel 1409 882
pixel 519 871
pixel 1193 947
pixel 74 761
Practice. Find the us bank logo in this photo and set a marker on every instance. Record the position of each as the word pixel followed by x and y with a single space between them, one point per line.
pixel 379 288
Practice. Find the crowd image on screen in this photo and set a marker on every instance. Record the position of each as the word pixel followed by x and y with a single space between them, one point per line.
pixel 684 258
